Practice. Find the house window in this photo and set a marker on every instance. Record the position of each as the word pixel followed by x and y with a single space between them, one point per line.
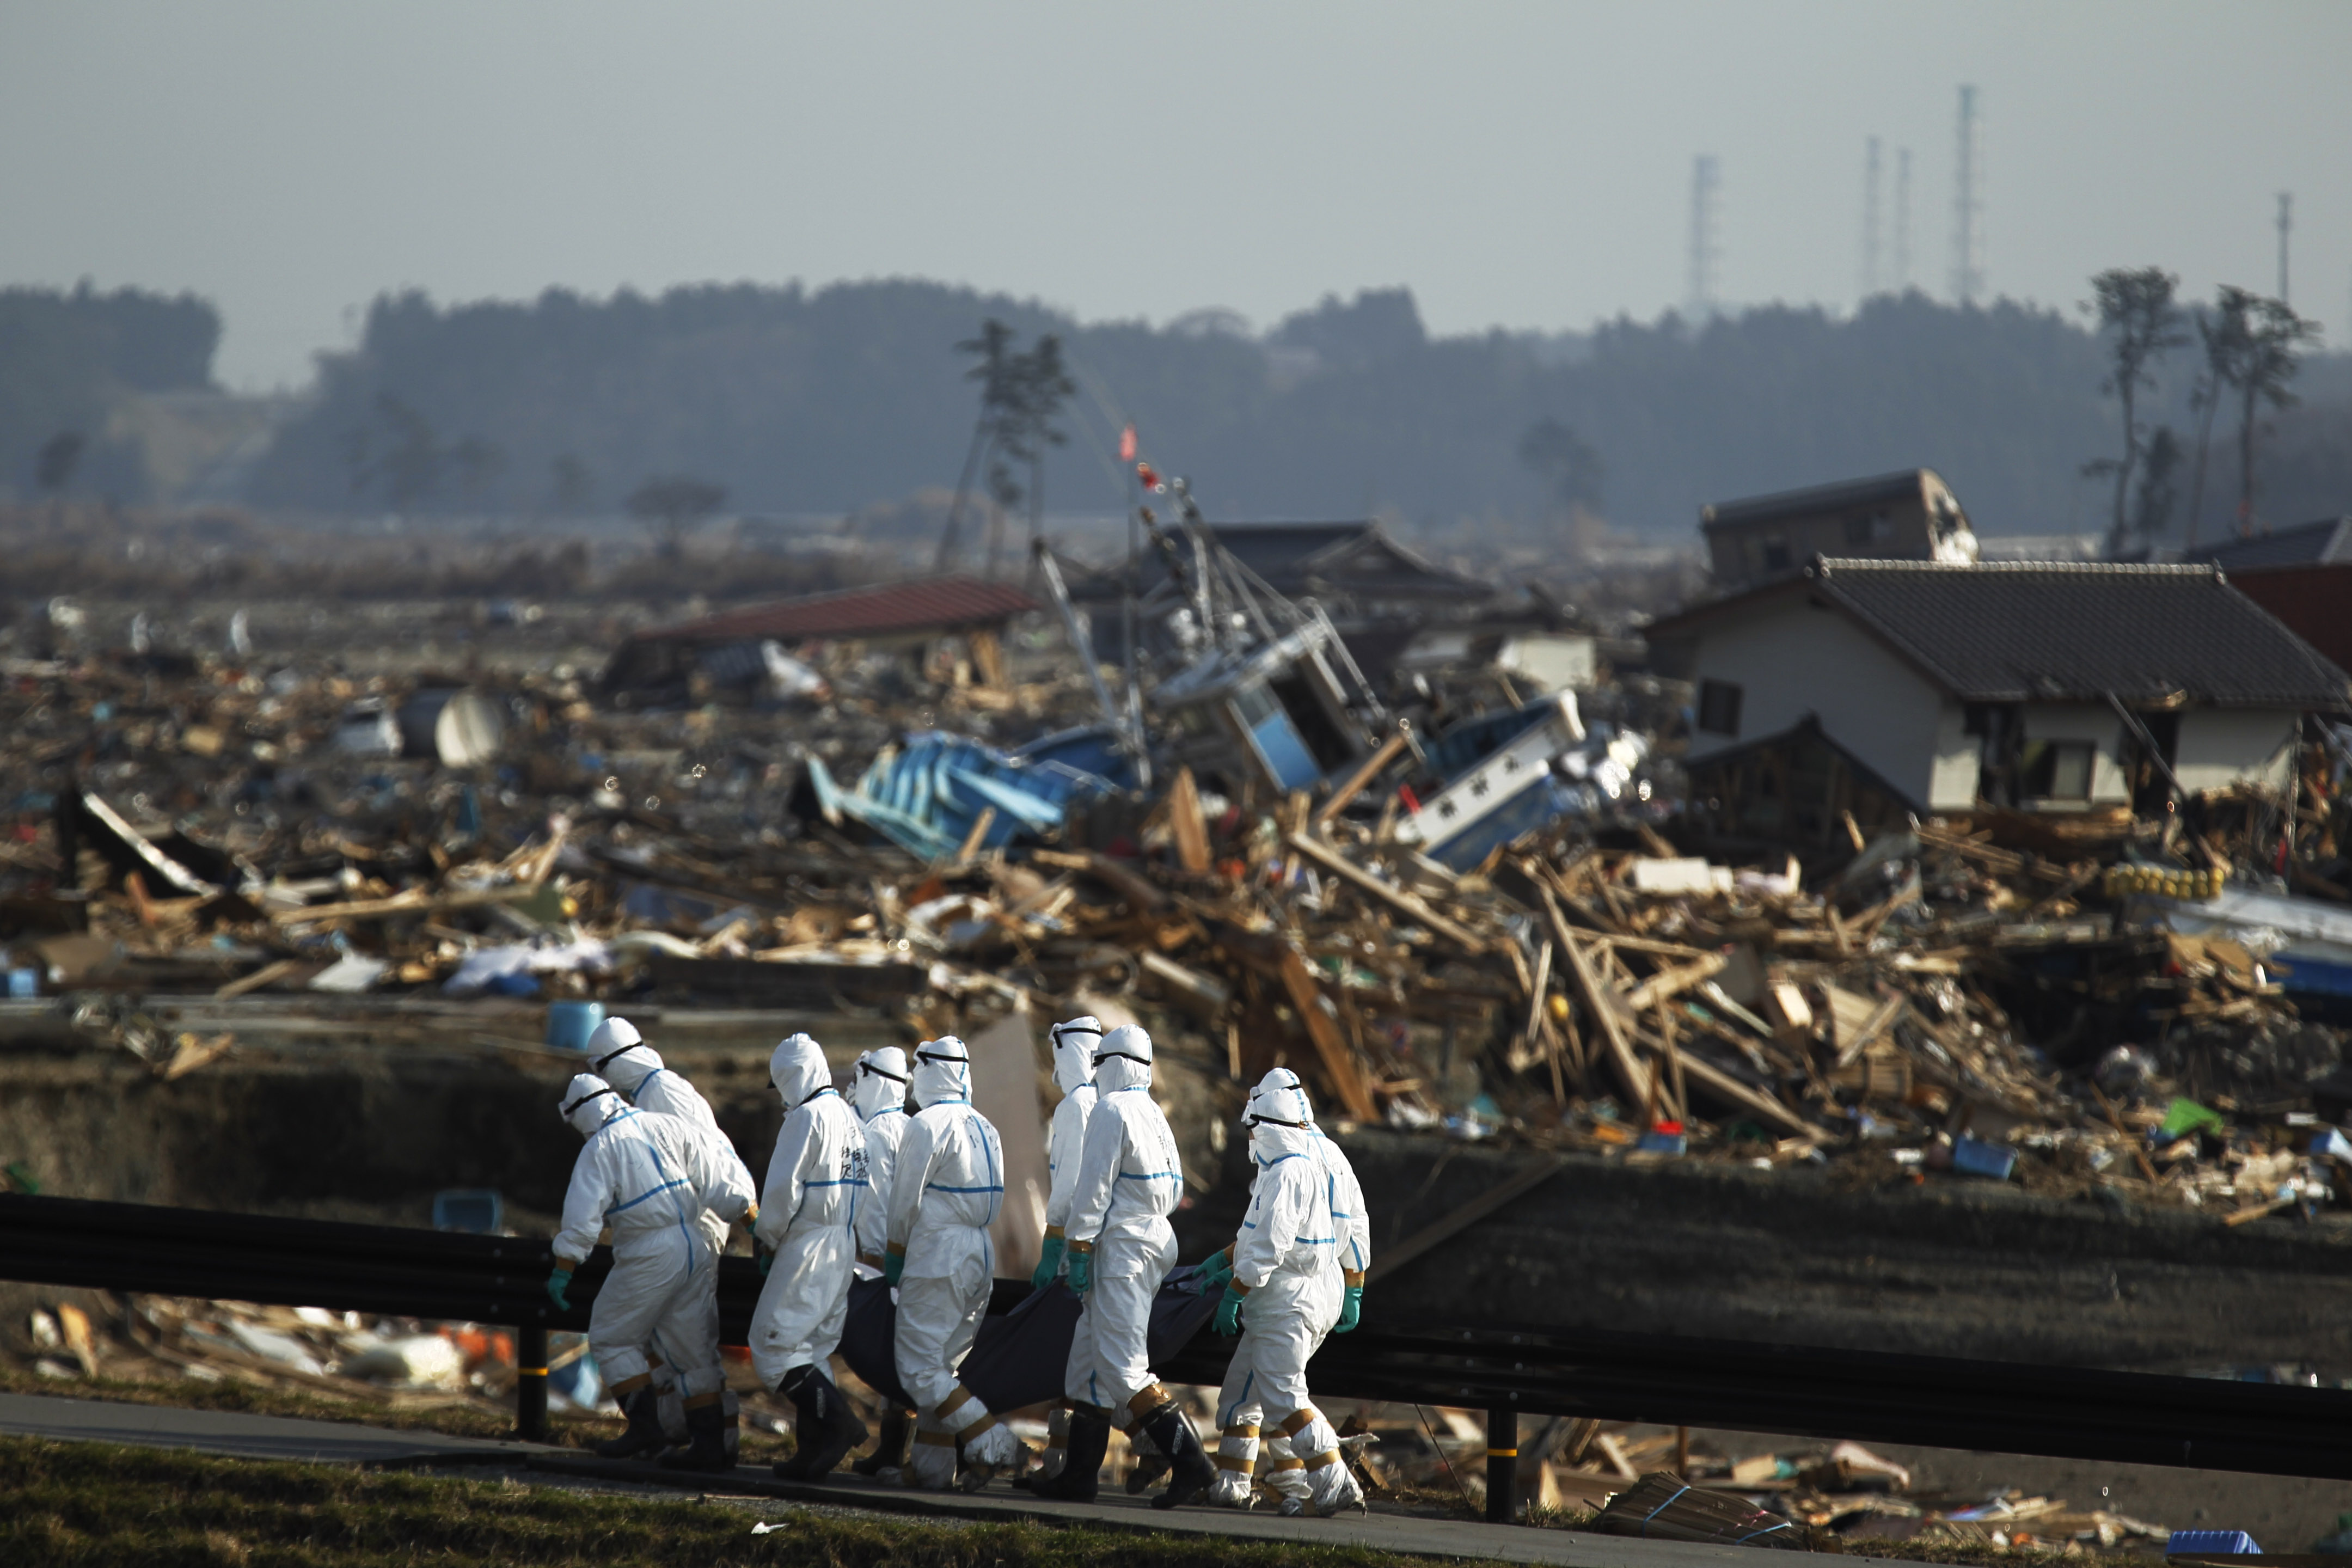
pixel 2056 770
pixel 1718 706
pixel 1776 554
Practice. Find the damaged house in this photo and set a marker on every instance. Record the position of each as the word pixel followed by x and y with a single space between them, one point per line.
pixel 1908 515
pixel 1882 687
pixel 751 649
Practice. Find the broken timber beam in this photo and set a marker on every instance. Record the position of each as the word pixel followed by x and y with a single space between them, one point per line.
pixel 1632 1074
pixel 1411 906
pixel 1357 780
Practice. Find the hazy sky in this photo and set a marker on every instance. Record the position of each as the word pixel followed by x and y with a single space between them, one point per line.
pixel 1522 166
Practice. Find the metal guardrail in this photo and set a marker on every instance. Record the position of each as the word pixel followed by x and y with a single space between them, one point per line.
pixel 1997 1407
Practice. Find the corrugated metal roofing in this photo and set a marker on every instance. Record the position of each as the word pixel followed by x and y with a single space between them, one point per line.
pixel 937 603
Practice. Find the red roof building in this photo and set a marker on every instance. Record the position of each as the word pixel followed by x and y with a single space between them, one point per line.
pixel 892 615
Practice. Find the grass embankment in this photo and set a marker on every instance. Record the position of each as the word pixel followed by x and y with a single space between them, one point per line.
pixel 79 1505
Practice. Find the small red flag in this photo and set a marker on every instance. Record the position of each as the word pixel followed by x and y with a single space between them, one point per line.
pixel 1126 445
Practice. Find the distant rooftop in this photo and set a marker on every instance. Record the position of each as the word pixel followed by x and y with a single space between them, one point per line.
pixel 937 603
pixel 2323 543
pixel 1905 484
pixel 2016 631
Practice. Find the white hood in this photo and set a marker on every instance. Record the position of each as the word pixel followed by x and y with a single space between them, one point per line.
pixel 1074 1044
pixel 881 1082
pixel 1123 1060
pixel 618 1053
pixel 942 1072
pixel 588 1103
pixel 1280 1118
pixel 798 1072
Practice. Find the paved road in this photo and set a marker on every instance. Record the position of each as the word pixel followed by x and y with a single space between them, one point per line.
pixel 277 1438
pixel 238 1435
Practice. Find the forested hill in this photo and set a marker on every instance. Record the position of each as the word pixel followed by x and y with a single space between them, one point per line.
pixel 817 403
pixel 68 359
pixel 826 400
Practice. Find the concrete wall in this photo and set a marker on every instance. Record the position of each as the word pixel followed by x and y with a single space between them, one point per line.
pixel 1797 660
pixel 2219 746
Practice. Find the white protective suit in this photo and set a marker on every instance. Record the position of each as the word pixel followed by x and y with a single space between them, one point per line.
pixel 619 1055
pixel 879 1097
pixel 808 1216
pixel 1305 1208
pixel 1130 1181
pixel 1074 1044
pixel 944 1195
pixel 648 1177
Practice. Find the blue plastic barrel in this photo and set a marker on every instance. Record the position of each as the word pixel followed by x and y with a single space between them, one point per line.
pixel 569 1024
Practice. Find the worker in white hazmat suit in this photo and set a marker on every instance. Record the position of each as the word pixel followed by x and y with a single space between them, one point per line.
pixel 1121 1248
pixel 1073 1075
pixel 648 1177
pixel 1286 1291
pixel 808 1226
pixel 618 1055
pixel 879 1095
pixel 946 1193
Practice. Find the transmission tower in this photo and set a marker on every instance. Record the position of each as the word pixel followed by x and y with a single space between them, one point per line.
pixel 1706 252
pixel 1967 206
pixel 1870 220
pixel 1902 220
pixel 2286 224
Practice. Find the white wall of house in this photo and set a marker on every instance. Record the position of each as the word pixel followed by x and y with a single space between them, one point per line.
pixel 2220 746
pixel 1959 762
pixel 1795 659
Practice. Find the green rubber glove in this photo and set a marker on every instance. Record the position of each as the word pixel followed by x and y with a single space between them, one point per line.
pixel 893 1264
pixel 1351 1309
pixel 1050 1264
pixel 1215 1269
pixel 1082 1271
pixel 556 1282
pixel 1229 1312
pixel 766 1259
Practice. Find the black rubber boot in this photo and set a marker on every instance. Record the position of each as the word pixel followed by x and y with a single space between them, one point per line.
pixel 1150 1464
pixel 890 1450
pixel 644 1434
pixel 828 1428
pixel 705 1426
pixel 1081 1476
pixel 1190 1470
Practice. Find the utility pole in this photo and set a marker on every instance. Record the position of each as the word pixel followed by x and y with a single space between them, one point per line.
pixel 1903 220
pixel 1967 206
pixel 1870 220
pixel 1707 187
pixel 2286 224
